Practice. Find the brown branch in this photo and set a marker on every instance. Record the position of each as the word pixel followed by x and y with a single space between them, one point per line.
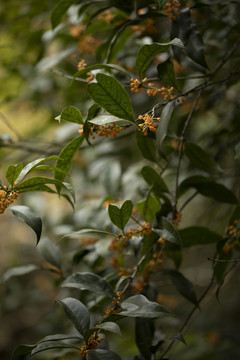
pixel 66 76
pixel 224 261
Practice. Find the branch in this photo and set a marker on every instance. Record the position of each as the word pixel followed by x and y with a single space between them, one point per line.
pixel 224 261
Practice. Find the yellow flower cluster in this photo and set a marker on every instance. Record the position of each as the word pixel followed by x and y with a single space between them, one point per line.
pixel 81 65
pixel 77 30
pixel 106 16
pixel 136 85
pixel 147 26
pixel 165 92
pixel 104 130
pixel 172 8
pixel 88 44
pixel 233 233
pixel 115 308
pixel 177 219
pixel 6 198
pixel 92 343
pixel 148 124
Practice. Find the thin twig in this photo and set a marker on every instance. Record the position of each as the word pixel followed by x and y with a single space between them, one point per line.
pixel 188 201
pixel 27 148
pixel 225 261
pixel 66 76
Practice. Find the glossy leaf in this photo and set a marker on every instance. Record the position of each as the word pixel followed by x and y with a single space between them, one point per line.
pixel 102 354
pixel 147 52
pixel 209 188
pixel 65 158
pixel 19 271
pixel 76 312
pixel 200 159
pixel 60 10
pixel 111 95
pixel 106 119
pixel 162 128
pixel 89 281
pixel 183 285
pixel 21 352
pixel 154 179
pixel 166 230
pixel 13 173
pixel 24 213
pixel 144 331
pixel 147 146
pixel 140 306
pixel 108 67
pixel 71 114
pixel 50 252
pixel 166 73
pixel 198 235
pixel 110 326
pixel 120 216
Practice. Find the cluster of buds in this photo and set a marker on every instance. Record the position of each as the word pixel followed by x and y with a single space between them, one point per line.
pixel 136 85
pixel 148 124
pixel 92 343
pixel 108 130
pixel 106 16
pixel 81 65
pixel 138 285
pixel 77 30
pixel 144 229
pixel 147 26
pixel 233 233
pixel 172 8
pixel 7 197
pixel 88 44
pixel 167 93
pixel 115 307
pixel 177 219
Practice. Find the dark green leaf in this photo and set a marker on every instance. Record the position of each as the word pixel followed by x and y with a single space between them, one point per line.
pixel 111 95
pixel 24 213
pixel 48 345
pixel 166 73
pixel 154 179
pixel 102 354
pixel 144 331
pixel 70 114
pixel 51 252
pixel 19 271
pixel 168 231
pixel 120 216
pixel 148 207
pixel 32 166
pixel 90 282
pixel 200 159
pixel 140 306
pixel 147 146
pixel 110 326
pixel 183 285
pixel 57 337
pixel 76 312
pixel 198 235
pixel 60 10
pixel 147 52
pixel 235 215
pixel 162 128
pixel 21 351
pixel 13 173
pixel 209 188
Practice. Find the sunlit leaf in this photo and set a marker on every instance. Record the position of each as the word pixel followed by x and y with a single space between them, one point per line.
pixel 148 207
pixel 120 216
pixel 13 173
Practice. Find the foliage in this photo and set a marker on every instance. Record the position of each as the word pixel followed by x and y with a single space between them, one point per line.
pixel 152 86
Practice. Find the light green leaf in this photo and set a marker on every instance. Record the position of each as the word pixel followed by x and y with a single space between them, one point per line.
pixel 13 172
pixel 120 216
pixel 76 312
pixel 24 213
pixel 148 207
pixel 147 52
pixel 111 95
pixel 71 114
pixel 106 119
pixel 200 159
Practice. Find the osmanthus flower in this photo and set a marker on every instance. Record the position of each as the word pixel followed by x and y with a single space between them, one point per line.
pixel 7 197
pixel 148 124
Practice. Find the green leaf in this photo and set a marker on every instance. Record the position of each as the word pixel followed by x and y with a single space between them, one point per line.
pixel 169 232
pixel 106 119
pixel 200 159
pixel 140 306
pixel 147 146
pixel 144 330
pixel 57 337
pixel 13 173
pixel 148 207
pixel 108 67
pixel 48 345
pixel 111 95
pixel 102 354
pixel 32 166
pixel 50 252
pixel 183 285
pixel 90 282
pixel 19 271
pixel 84 231
pixel 24 213
pixel 235 215
pixel 209 188
pixel 166 73
pixel 21 351
pixel 147 52
pixel 60 10
pixel 110 326
pixel 154 179
pixel 162 128
pixel 71 114
pixel 65 158
pixel 120 216
pixel 198 235
pixel 76 312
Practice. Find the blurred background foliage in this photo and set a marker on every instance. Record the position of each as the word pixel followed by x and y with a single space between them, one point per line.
pixel 36 67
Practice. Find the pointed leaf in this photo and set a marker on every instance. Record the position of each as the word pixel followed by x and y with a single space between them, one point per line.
pixel 102 354
pixel 111 95
pixel 147 146
pixel 140 306
pixel 198 235
pixel 71 114
pixel 50 252
pixel 76 312
pixel 183 285
pixel 60 10
pixel 108 67
pixel 120 216
pixel 154 179
pixel 13 172
pixel 84 231
pixel 162 128
pixel 209 188
pixel 144 330
pixel 147 52
pixel 89 281
pixel 148 207
pixel 21 351
pixel 110 326
pixel 24 213
pixel 166 73
pixel 19 271
pixel 106 119
pixel 48 345
pixel 32 166
pixel 57 337
pixel 169 232
pixel 200 159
